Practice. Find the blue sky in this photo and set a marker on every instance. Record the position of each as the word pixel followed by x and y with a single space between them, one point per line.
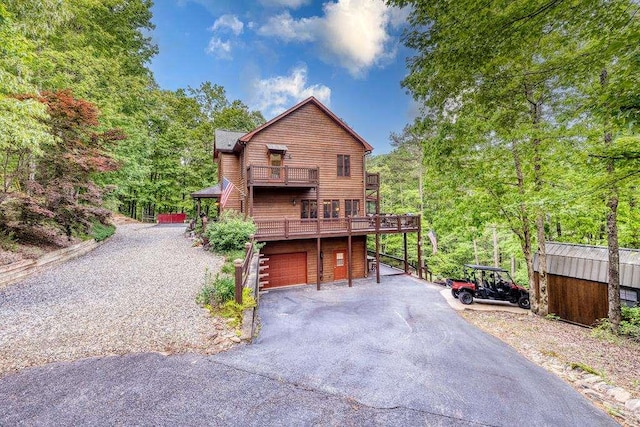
pixel 271 54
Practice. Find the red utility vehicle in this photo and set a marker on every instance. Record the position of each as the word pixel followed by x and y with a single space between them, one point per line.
pixel 488 283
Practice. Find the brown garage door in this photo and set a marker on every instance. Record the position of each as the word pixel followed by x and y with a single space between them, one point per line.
pixel 287 269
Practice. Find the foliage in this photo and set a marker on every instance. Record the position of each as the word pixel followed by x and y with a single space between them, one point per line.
pixel 217 289
pixel 230 232
pixel 101 231
pixel 232 310
pixel 629 326
pixel 585 368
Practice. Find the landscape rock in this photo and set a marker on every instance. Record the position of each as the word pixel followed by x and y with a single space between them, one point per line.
pixel 633 405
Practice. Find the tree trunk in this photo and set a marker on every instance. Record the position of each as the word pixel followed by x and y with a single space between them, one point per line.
pixel 525 235
pixel 536 117
pixel 615 314
pixel 475 251
pixel 496 250
pixel 543 308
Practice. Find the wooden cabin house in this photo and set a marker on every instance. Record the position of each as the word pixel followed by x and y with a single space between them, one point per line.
pixel 301 177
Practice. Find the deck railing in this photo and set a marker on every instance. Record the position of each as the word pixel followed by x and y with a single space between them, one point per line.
pixel 286 228
pixel 373 181
pixel 282 175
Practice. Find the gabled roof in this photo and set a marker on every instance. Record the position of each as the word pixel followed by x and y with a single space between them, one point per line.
pixel 225 140
pixel 311 100
pixel 590 263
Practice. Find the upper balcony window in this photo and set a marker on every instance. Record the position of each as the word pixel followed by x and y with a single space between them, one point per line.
pixel 344 165
pixel 309 209
pixel 331 208
pixel 351 207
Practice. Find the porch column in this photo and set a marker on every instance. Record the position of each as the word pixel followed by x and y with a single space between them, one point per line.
pixel 250 201
pixel 349 258
pixel 198 209
pixel 377 248
pixel 318 263
pixel 419 247
pixel 406 259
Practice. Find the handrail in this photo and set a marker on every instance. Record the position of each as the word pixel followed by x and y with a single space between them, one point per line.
pixel 401 260
pixel 257 174
pixel 242 269
pixel 312 227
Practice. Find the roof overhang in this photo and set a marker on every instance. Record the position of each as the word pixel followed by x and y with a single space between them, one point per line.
pixel 311 100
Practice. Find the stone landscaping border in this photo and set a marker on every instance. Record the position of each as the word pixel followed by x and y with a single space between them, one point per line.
pixel 18 271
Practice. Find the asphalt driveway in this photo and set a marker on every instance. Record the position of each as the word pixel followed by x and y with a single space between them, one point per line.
pixel 387 354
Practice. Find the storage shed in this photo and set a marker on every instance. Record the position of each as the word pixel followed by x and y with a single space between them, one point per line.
pixel 577 277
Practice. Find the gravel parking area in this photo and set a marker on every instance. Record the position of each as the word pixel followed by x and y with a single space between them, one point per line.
pixel 135 293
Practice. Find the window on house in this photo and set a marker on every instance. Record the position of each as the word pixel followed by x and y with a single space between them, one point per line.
pixel 275 161
pixel 351 207
pixel 331 208
pixel 344 165
pixel 309 209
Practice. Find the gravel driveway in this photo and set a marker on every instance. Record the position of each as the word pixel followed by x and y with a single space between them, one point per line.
pixel 135 293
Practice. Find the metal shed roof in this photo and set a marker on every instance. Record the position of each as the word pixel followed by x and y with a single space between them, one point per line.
pixel 590 263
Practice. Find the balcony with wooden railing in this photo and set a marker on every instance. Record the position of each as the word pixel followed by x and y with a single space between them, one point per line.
pixel 278 229
pixel 282 176
pixel 373 181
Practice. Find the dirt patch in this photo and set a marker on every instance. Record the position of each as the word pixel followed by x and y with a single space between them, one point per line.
pixel 555 343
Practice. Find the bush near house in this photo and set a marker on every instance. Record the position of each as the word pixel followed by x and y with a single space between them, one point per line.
pixel 229 233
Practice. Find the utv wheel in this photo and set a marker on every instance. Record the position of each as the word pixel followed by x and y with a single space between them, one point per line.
pixel 465 297
pixel 524 302
pixel 454 293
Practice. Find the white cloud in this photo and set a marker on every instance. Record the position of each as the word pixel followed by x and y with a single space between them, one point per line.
pixel 274 95
pixel 284 27
pixel 352 33
pixel 293 4
pixel 228 21
pixel 219 48
pixel 224 24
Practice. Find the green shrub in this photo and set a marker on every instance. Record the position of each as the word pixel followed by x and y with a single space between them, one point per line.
pixel 101 231
pixel 7 240
pixel 629 325
pixel 230 233
pixel 216 290
pixel 233 310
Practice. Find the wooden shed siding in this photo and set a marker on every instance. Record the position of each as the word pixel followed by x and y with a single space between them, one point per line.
pixel 313 139
pixel 576 300
pixel 327 246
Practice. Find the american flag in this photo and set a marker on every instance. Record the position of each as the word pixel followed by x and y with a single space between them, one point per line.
pixel 227 187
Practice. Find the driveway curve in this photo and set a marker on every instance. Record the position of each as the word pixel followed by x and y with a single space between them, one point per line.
pixel 134 293
pixel 390 354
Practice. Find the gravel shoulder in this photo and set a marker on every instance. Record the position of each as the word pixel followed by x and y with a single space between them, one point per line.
pixel 135 293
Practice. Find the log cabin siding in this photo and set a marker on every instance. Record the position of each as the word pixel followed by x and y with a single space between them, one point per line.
pixel 327 246
pixel 313 140
pixel 229 167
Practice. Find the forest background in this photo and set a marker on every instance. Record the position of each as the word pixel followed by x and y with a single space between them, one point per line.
pixel 528 130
